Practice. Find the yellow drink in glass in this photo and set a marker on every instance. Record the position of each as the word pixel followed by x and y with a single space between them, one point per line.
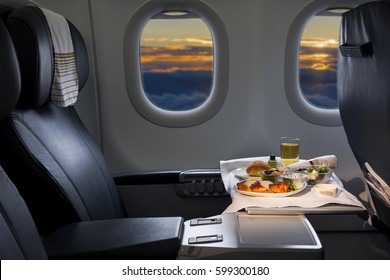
pixel 289 150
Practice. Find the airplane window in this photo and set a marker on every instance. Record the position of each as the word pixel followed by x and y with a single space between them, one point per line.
pixel 318 59
pixel 176 61
pixel 311 52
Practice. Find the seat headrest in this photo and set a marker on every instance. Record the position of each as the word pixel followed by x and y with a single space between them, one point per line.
pixel 30 32
pixel 9 73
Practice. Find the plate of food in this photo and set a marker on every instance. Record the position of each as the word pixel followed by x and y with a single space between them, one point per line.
pixel 253 187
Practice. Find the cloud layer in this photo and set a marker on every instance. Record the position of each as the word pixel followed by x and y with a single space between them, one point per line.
pixel 176 58
pixel 179 77
pixel 178 90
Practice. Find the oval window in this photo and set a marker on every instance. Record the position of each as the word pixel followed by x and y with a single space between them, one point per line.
pixel 176 62
pixel 176 57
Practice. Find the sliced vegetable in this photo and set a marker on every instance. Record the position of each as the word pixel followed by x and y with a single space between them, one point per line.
pixel 292 187
pixel 321 169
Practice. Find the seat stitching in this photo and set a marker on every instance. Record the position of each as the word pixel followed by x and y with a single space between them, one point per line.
pixel 73 116
pixel 43 168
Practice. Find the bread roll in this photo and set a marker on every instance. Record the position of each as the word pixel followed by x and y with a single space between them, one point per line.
pixel 256 167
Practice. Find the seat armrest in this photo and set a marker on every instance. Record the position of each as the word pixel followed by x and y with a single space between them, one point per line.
pixel 166 176
pixel 128 238
pixel 206 174
pixel 147 177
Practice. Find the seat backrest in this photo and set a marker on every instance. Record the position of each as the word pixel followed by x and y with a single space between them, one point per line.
pixel 19 237
pixel 44 148
pixel 364 85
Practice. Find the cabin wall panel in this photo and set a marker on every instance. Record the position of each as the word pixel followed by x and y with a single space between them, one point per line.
pixel 255 114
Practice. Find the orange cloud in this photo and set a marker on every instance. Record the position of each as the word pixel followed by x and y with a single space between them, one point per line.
pixel 148 41
pixel 318 62
pixel 318 54
pixel 175 58
pixel 319 43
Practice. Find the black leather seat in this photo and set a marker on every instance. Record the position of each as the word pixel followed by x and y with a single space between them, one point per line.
pixel 59 170
pixel 19 237
pixel 46 149
pixel 364 90
pixel 48 146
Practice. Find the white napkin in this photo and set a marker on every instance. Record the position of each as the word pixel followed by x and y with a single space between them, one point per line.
pixel 328 160
pixel 304 199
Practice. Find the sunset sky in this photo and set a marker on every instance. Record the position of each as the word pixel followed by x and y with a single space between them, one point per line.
pixel 166 48
pixel 318 61
pixel 318 40
pixel 177 63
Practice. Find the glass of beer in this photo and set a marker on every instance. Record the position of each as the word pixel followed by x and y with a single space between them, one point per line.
pixel 289 150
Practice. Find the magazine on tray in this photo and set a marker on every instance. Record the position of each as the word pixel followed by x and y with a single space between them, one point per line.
pixel 376 183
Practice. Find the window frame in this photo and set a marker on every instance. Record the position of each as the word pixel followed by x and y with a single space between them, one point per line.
pixel 300 105
pixel 133 74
